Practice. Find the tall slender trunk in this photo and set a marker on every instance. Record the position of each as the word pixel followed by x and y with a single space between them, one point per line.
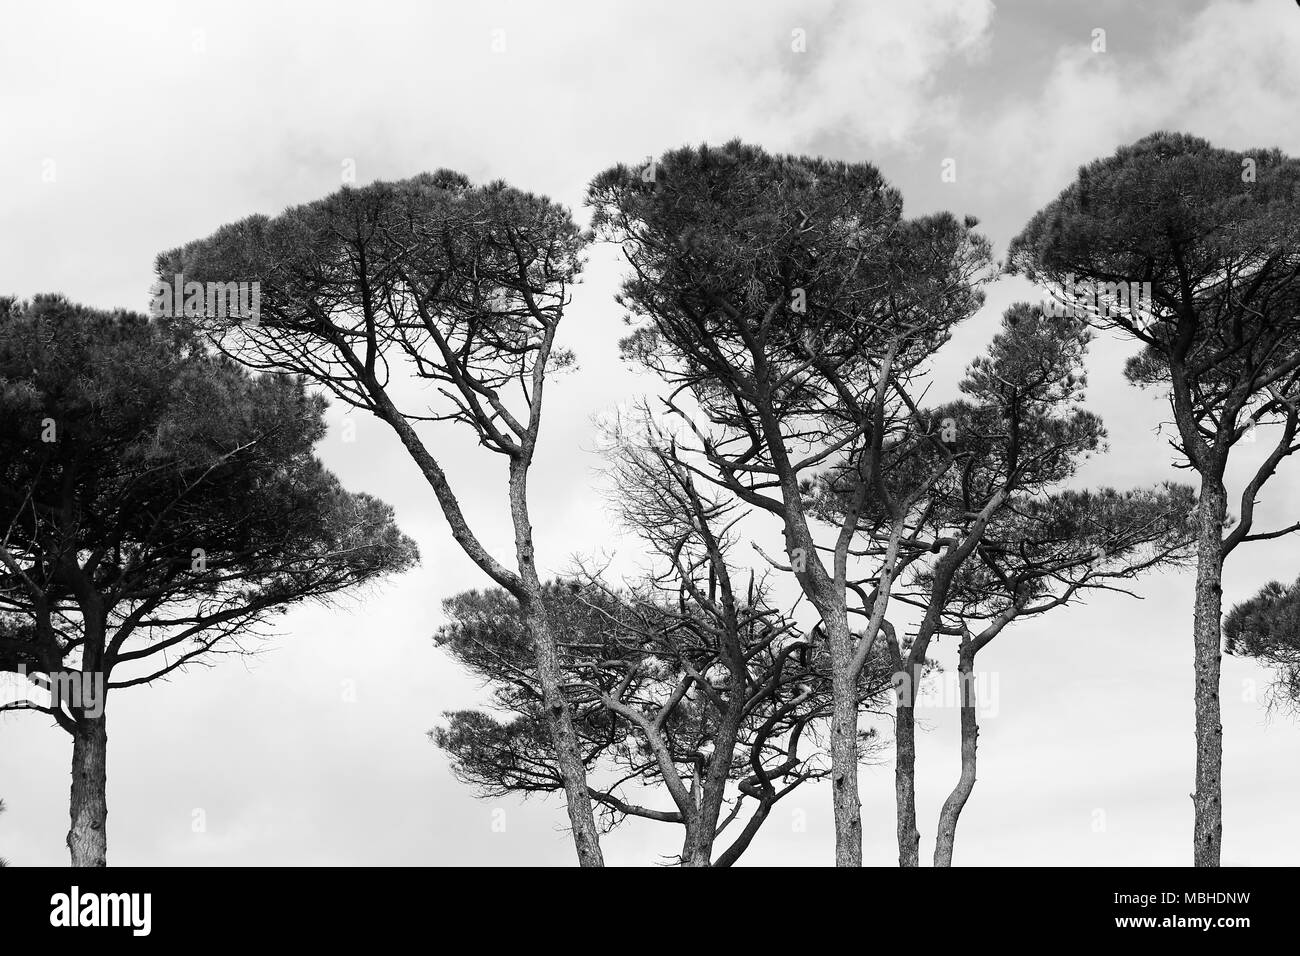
pixel 559 719
pixel 908 673
pixel 909 837
pixel 946 834
pixel 87 836
pixel 844 741
pixel 559 722
pixel 1208 798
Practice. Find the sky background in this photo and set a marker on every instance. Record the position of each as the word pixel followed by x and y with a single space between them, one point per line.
pixel 130 129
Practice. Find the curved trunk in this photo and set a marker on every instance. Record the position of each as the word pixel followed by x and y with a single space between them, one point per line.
pixel 564 740
pixel 946 835
pixel 87 837
pixel 908 674
pixel 527 590
pixel 559 720
pixel 733 852
pixel 1208 798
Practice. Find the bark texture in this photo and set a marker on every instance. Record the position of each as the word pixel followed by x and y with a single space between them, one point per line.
pixel 586 836
pixel 844 742
pixel 946 835
pixel 1208 798
pixel 87 836
pixel 909 837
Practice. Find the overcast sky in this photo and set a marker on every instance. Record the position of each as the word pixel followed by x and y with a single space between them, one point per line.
pixel 129 129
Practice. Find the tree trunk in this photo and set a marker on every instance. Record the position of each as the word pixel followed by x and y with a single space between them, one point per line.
pixel 710 776
pixel 908 674
pixel 909 838
pixel 699 856
pixel 559 721
pixel 87 837
pixel 564 739
pixel 697 848
pixel 946 834
pixel 844 742
pixel 1208 798
pixel 730 855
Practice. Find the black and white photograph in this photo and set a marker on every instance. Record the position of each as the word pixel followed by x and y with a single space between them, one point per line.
pixel 739 434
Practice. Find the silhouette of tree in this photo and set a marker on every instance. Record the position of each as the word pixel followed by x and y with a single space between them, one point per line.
pixel 157 504
pixel 994 537
pixel 787 303
pixel 1194 252
pixel 459 287
pixel 687 681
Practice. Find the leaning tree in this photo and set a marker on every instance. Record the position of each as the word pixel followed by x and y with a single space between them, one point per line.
pixel 1194 252
pixel 786 303
pixel 157 505
pixel 431 281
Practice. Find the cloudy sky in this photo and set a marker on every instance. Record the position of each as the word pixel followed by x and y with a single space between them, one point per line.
pixel 129 129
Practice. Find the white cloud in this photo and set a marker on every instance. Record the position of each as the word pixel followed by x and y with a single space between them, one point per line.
pixel 1230 74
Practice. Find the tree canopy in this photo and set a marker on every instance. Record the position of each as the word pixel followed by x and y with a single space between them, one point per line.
pixel 156 498
pixel 1192 251
pixel 157 503
pixel 787 303
pixel 1216 235
pixel 427 280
